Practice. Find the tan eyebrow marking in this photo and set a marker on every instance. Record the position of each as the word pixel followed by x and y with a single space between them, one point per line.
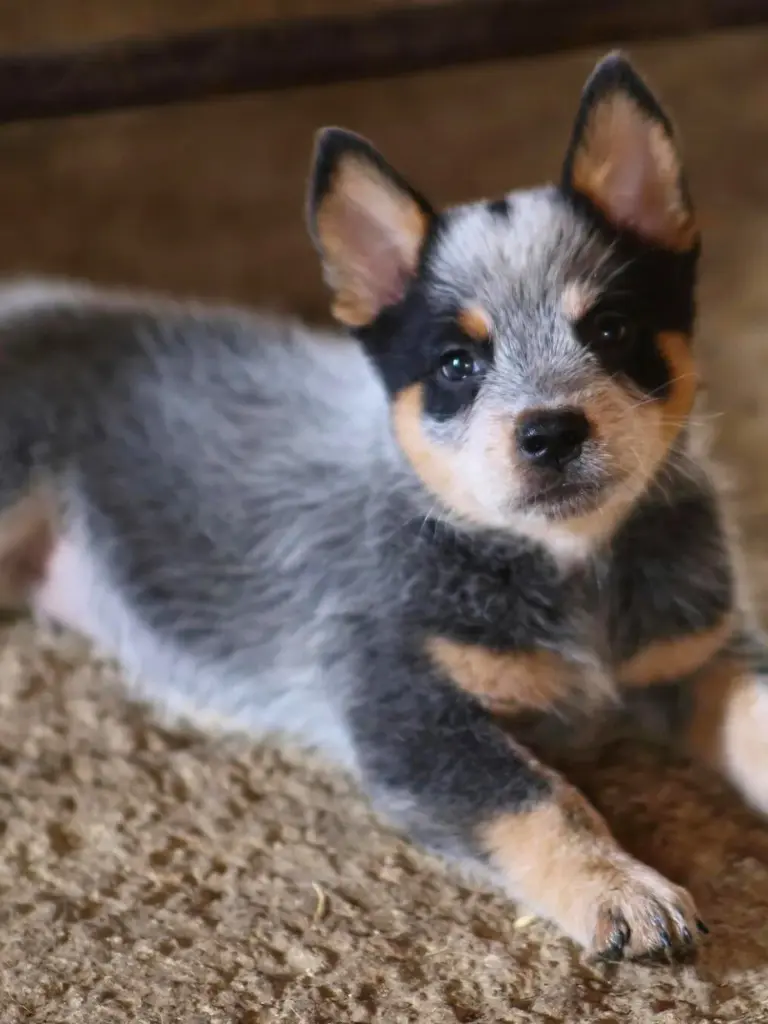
pixel 476 323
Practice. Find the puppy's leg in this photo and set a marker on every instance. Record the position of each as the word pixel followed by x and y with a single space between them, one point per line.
pixel 436 763
pixel 727 720
pixel 716 711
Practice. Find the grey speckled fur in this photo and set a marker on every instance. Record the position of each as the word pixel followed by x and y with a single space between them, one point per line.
pixel 252 545
pixel 211 462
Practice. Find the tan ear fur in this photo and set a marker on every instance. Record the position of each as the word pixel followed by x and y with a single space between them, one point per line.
pixel 626 161
pixel 370 232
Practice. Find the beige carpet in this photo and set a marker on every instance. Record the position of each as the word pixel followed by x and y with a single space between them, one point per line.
pixel 149 875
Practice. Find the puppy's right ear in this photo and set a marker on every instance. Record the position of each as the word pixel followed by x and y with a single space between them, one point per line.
pixel 368 224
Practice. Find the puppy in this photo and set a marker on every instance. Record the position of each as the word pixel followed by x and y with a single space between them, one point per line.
pixel 480 502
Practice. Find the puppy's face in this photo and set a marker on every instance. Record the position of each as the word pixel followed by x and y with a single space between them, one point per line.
pixel 537 347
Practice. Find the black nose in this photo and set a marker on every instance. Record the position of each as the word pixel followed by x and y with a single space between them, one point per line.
pixel 552 439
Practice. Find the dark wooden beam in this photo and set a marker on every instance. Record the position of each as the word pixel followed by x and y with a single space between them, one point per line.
pixel 319 51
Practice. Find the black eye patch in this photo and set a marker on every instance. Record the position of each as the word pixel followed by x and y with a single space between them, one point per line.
pixel 454 384
pixel 412 343
pixel 651 292
pixel 461 358
pixel 624 343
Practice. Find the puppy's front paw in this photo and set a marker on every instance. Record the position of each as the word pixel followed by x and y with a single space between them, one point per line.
pixel 561 860
pixel 638 913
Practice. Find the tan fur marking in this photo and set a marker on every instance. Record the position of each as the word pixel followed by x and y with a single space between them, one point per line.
pixel 362 206
pixel 561 860
pixel 527 679
pixel 677 351
pixel 27 535
pixel 433 462
pixel 667 660
pixel 610 419
pixel 476 323
pixel 348 308
pixel 621 143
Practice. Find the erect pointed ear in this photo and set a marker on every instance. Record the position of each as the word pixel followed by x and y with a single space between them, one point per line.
pixel 368 224
pixel 624 159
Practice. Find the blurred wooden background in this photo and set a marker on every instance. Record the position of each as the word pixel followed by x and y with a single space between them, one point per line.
pixel 207 198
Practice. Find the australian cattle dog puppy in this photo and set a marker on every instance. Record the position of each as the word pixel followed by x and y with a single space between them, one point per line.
pixel 479 501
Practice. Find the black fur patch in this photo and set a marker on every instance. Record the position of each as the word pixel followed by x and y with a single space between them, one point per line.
pixel 671 575
pixel 500 592
pixel 655 290
pixel 435 759
pixel 442 403
pixel 499 207
pixel 406 343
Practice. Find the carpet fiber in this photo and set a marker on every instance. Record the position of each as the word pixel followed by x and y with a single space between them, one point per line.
pixel 150 874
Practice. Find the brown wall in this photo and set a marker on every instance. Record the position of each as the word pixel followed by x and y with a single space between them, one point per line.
pixel 208 198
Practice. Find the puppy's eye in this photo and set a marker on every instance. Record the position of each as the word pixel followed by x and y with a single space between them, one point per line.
pixel 608 329
pixel 458 365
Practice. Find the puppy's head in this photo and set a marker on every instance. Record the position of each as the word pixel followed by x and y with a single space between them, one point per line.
pixel 537 347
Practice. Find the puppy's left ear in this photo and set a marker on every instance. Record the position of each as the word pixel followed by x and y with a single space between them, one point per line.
pixel 625 161
pixel 368 224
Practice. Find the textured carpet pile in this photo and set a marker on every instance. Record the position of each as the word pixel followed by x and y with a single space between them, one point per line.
pixel 153 875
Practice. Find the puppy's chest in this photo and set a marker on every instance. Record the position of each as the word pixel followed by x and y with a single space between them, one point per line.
pixel 669 599
pixel 506 623
pixel 512 626
pixel 475 592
